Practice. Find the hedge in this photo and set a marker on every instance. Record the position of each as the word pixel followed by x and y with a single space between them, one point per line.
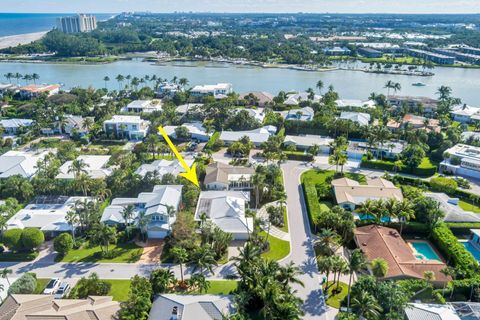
pixel 311 199
pixel 299 156
pixel 462 228
pixel 455 252
pixel 389 166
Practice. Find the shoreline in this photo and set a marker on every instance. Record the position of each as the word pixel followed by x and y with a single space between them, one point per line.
pixel 20 39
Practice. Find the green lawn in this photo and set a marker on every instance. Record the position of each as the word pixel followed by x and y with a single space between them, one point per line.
pixel 124 253
pixel 336 300
pixel 120 289
pixel 41 284
pixel 426 163
pixel 279 249
pixel 320 176
pixel 18 256
pixel 222 286
pixel 468 206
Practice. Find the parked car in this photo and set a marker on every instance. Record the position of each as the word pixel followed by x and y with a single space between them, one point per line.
pixel 62 291
pixel 52 286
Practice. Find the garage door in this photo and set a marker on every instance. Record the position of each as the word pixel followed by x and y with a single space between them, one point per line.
pixel 157 234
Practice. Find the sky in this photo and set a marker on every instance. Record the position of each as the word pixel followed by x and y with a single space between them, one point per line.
pixel 321 6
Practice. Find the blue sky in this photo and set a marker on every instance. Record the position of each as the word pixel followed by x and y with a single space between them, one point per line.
pixel 348 6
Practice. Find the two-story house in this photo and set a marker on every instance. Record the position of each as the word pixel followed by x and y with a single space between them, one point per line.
pixel 126 127
pixel 157 208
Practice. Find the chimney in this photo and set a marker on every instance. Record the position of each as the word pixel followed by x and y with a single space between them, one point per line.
pixel 174 314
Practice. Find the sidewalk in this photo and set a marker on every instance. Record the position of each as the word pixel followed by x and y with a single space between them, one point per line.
pixel 274 231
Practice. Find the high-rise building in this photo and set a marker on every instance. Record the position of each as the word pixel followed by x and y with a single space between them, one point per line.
pixel 78 23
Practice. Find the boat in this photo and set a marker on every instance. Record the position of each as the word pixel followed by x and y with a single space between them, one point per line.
pixel 418 84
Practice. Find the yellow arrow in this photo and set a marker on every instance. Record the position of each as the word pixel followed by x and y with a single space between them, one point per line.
pixel 190 173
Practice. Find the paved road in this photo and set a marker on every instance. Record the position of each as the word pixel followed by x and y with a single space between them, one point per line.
pixel 302 253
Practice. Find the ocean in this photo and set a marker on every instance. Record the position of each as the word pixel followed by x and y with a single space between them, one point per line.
pixel 20 23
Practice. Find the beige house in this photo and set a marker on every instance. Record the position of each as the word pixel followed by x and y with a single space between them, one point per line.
pixel 45 307
pixel 349 193
pixel 221 176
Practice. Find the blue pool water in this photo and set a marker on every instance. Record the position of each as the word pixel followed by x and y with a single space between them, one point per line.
pixel 424 251
pixel 370 217
pixel 470 248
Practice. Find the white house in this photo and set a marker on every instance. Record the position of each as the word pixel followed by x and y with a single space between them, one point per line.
pixel 303 114
pixel 95 167
pixel 145 106
pixel 305 142
pixel 257 114
pixel 294 99
pixel 168 89
pixel 257 136
pixel 158 207
pixel 464 113
pixel 23 163
pixel 74 124
pixel 46 213
pixel 362 119
pixel 462 160
pixel 35 90
pixel 189 108
pixel 130 127
pixel 226 210
pixel 163 167
pixel 424 311
pixel 196 130
pixel 221 176
pixel 191 307
pixel 12 126
pixel 219 90
pixel 364 104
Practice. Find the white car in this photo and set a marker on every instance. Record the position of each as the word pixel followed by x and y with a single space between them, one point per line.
pixel 62 291
pixel 52 286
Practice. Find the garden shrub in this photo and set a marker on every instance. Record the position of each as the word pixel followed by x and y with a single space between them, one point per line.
pixel 11 238
pixel 91 286
pixel 299 156
pixel 26 284
pixel 32 238
pixel 442 184
pixel 63 243
pixel 426 169
pixel 311 198
pixel 454 251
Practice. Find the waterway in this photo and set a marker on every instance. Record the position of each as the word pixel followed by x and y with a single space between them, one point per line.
pixel 465 83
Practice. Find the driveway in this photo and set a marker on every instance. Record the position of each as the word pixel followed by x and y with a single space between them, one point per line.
pixel 152 251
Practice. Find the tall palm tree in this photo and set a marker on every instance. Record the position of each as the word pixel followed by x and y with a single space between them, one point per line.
pixel 127 215
pixel 405 212
pixel 180 256
pixel 319 86
pixel 356 263
pixel 106 79
pixel 200 282
pixel 4 274
pixel 366 306
pixel 17 76
pixel 289 274
pixel 9 76
pixel 444 92
pixel 78 167
pixel 72 219
pixel 120 78
pixel 389 85
pixel 328 241
pixel 35 77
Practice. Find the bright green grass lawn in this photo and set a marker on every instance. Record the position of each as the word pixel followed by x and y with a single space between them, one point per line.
pixel 124 253
pixel 222 286
pixel 279 249
pixel 468 206
pixel 426 163
pixel 120 289
pixel 336 300
pixel 320 176
pixel 41 284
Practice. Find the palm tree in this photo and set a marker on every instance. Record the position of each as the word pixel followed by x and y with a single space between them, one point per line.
pixel 127 215
pixel 328 241
pixel 35 77
pixel 104 235
pixel 444 92
pixel 203 258
pixel 356 263
pixel 106 79
pixel 183 82
pixel 319 86
pixel 289 274
pixel 389 85
pixel 78 167
pixel 120 78
pixel 9 76
pixel 17 76
pixel 72 219
pixel 83 182
pixel 200 282
pixel 367 307
pixel 429 276
pixel 162 280
pixel 379 267
pixel 405 212
pixel 4 274
pixel 180 256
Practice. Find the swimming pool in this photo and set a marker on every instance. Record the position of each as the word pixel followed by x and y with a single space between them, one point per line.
pixel 364 217
pixel 470 248
pixel 424 251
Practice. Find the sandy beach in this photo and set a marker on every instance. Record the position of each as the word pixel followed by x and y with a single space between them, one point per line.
pixel 11 41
